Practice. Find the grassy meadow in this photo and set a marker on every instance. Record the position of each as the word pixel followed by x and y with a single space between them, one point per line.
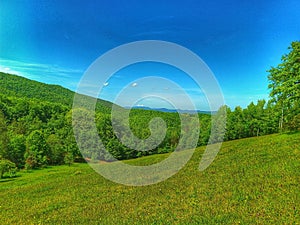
pixel 251 181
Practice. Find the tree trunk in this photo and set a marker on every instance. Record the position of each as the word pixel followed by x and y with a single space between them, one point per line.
pixel 281 120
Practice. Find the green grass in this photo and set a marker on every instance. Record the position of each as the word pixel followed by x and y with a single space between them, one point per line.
pixel 251 181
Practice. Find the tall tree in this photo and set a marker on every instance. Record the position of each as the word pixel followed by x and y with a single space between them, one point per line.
pixel 17 149
pixel 285 83
pixel 37 150
pixel 4 140
pixel 56 148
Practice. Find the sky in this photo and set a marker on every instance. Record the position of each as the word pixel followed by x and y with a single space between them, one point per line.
pixel 56 41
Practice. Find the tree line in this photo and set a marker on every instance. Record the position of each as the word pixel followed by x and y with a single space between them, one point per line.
pixel 34 132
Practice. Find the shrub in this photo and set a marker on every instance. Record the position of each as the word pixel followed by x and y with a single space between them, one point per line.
pixel 7 166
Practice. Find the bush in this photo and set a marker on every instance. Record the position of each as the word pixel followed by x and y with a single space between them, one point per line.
pixel 69 158
pixel 7 166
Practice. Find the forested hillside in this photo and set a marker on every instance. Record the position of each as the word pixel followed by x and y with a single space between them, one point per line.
pixel 36 128
pixel 36 120
pixel 16 86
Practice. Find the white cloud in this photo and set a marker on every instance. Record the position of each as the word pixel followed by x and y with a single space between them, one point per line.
pixel 36 68
pixel 134 84
pixel 105 84
pixel 47 73
pixel 4 69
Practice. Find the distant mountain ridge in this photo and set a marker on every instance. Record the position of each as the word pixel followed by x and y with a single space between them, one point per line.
pixel 173 110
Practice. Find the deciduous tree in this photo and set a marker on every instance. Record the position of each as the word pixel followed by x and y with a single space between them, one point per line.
pixel 285 83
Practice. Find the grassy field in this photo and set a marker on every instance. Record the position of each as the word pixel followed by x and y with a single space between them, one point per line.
pixel 252 181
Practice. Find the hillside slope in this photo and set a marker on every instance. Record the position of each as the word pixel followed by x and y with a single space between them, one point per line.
pixel 251 181
pixel 13 85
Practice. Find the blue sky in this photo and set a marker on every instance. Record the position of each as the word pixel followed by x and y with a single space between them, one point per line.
pixel 56 41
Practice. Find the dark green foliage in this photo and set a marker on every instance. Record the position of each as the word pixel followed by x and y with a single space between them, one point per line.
pixel 251 181
pixel 34 115
pixel 17 149
pixel 56 150
pixel 255 120
pixel 36 125
pixel 284 78
pixel 285 86
pixel 21 87
pixel 37 151
pixel 4 140
pixel 7 166
pixel 69 158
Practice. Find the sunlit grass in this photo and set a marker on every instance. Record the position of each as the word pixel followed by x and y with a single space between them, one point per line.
pixel 251 181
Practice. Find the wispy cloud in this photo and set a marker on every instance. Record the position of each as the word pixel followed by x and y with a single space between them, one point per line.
pixel 6 69
pixel 41 72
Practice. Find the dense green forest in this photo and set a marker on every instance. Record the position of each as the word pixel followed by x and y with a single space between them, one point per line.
pixel 36 120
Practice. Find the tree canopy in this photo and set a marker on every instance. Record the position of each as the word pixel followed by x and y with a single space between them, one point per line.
pixel 36 121
pixel 285 84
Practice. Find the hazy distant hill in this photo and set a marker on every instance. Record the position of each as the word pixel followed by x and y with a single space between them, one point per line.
pixel 174 110
pixel 17 86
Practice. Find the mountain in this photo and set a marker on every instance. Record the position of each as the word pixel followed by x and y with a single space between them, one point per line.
pixel 173 110
pixel 18 86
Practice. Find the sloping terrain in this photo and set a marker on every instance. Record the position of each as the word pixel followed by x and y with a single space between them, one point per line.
pixel 251 181
pixel 16 86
